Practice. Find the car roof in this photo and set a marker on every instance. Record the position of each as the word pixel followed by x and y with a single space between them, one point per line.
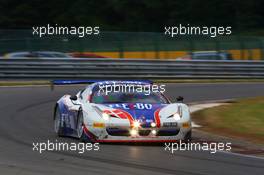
pixel 95 86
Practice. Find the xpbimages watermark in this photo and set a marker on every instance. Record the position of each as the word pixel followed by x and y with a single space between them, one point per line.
pixel 213 147
pixel 212 31
pixel 147 89
pixel 64 146
pixel 80 31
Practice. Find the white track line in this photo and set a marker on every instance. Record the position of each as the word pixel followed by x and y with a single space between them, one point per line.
pixel 197 107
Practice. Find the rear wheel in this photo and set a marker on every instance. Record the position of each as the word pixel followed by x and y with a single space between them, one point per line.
pixel 58 123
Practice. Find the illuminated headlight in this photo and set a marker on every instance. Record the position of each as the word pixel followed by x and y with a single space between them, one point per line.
pixel 153 124
pixel 136 124
pixel 133 132
pixel 177 116
pixel 153 132
pixel 105 116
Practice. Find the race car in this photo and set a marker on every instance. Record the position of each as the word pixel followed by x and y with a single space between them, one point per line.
pixel 100 114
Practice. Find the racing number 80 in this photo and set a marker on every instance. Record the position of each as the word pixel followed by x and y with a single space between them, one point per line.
pixel 143 106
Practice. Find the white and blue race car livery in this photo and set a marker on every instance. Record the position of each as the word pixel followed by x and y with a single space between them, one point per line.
pixel 121 116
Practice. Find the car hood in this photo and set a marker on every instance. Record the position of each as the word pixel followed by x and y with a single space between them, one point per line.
pixel 139 111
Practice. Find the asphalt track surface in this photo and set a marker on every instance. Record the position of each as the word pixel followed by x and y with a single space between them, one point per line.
pixel 26 117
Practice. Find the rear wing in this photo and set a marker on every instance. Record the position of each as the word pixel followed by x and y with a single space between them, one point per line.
pixel 69 82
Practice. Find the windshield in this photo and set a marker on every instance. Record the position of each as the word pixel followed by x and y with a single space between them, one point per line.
pixel 121 97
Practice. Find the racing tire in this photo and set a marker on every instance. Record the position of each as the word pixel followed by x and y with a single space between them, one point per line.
pixel 79 129
pixel 58 123
pixel 188 137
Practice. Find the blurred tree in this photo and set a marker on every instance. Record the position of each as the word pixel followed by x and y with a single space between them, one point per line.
pixel 131 15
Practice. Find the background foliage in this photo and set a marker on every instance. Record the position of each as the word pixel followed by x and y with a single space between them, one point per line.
pixel 131 15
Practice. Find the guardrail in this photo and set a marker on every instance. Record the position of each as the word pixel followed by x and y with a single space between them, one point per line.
pixel 49 69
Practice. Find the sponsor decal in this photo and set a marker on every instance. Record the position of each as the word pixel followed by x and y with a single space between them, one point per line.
pixel 143 106
pixel 170 124
pixel 98 125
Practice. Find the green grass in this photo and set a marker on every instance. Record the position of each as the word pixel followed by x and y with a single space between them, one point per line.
pixel 244 119
pixel 23 83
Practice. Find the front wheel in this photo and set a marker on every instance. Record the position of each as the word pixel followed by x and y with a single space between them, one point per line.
pixel 188 137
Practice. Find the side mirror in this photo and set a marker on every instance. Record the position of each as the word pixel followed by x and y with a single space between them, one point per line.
pixel 73 97
pixel 180 99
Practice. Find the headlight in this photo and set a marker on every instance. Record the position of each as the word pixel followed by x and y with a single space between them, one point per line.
pixel 136 124
pixel 153 124
pixel 153 132
pixel 105 116
pixel 133 132
pixel 177 116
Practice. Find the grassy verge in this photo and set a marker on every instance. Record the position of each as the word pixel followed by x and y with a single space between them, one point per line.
pixel 23 83
pixel 243 119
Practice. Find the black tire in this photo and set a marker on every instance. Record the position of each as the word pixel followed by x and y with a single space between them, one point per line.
pixel 188 137
pixel 58 125
pixel 79 129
